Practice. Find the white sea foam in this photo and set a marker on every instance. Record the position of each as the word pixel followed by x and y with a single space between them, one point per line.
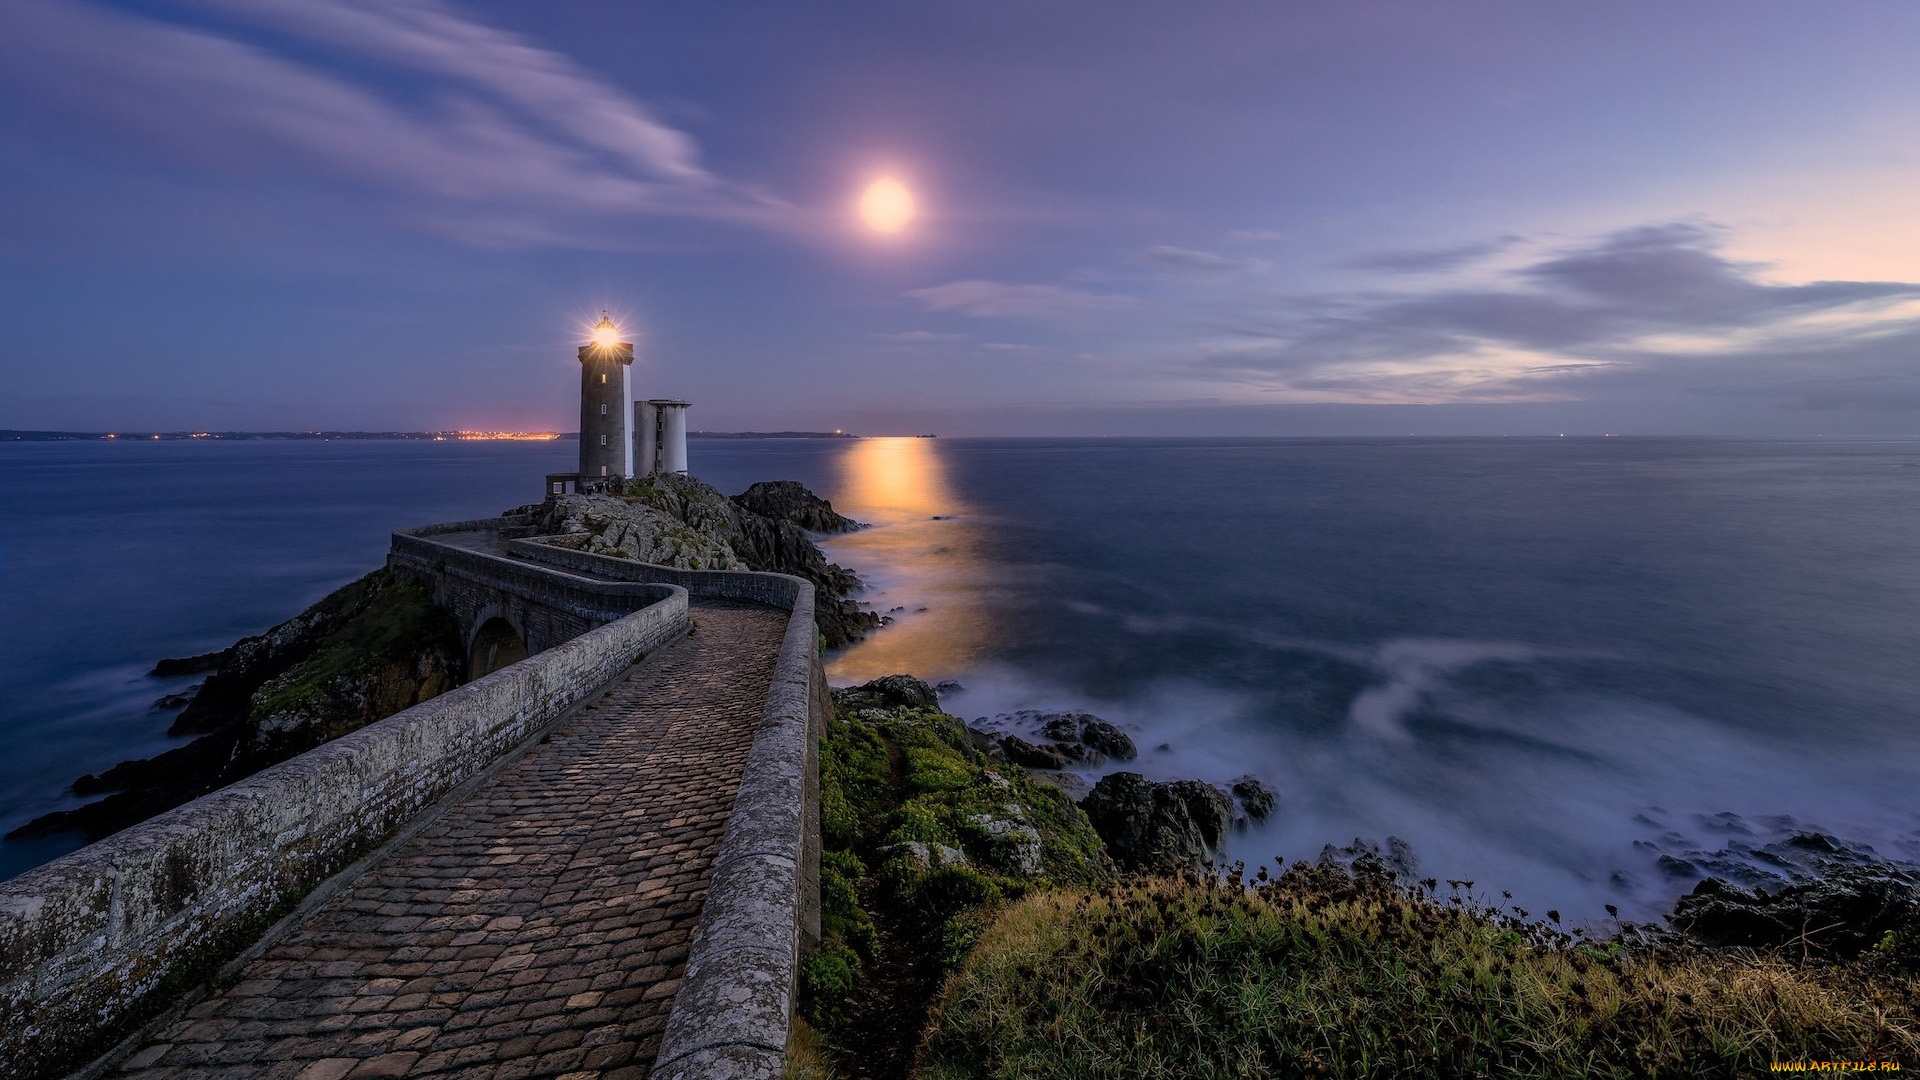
pixel 1568 803
pixel 1574 777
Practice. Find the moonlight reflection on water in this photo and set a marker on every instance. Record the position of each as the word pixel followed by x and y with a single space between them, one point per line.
pixel 920 556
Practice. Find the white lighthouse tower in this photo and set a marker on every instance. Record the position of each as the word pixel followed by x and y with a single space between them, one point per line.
pixel 660 436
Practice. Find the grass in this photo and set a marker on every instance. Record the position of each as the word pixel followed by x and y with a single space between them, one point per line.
pixel 893 778
pixel 1319 973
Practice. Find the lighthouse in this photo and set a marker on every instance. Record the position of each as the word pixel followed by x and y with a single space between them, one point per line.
pixel 606 386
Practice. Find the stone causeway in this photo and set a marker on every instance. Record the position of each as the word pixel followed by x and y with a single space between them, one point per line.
pixel 599 861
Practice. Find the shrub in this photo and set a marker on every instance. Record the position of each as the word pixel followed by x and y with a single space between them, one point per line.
pixel 1321 974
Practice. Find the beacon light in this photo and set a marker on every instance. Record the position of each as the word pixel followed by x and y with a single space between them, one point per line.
pixel 605 333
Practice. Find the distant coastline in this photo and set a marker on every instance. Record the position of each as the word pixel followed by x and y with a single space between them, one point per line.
pixel 771 435
pixel 8 435
pixel 283 436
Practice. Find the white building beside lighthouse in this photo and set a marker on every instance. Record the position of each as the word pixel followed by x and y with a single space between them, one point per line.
pixel 660 435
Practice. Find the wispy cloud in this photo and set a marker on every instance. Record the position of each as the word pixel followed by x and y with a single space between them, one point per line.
pixel 1000 300
pixel 514 141
pixel 1427 260
pixel 1195 263
pixel 1654 305
pixel 919 335
pixel 1256 236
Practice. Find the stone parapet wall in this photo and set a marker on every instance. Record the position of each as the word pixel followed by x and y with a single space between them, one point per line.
pixel 776 590
pixel 91 941
pixel 546 605
pixel 734 1010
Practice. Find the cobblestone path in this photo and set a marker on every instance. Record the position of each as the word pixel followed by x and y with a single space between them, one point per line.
pixel 539 928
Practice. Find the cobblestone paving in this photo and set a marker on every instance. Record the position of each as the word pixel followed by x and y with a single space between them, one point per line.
pixel 539 928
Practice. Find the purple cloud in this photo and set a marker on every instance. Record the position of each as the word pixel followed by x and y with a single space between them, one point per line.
pixel 999 300
pixel 512 142
pixel 1429 260
pixel 1192 262
pixel 1596 316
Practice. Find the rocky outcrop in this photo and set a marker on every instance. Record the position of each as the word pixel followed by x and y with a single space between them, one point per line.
pixel 888 692
pixel 606 525
pixel 1158 828
pixel 1255 798
pixel 1845 912
pixel 1366 858
pixel 1011 837
pixel 365 652
pixel 1060 739
pixel 1020 752
pixel 682 521
pixel 790 501
pixel 187 665
pixel 1088 730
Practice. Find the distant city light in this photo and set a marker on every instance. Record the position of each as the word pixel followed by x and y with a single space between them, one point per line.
pixel 507 436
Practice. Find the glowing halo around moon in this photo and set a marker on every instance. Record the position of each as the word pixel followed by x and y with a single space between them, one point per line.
pixel 886 205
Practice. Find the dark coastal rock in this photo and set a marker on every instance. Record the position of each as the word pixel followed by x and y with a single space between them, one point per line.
pixel 1012 749
pixel 1255 797
pixel 177 701
pixel 1073 730
pixel 986 742
pixel 1366 858
pixel 1845 912
pixel 948 686
pixel 1158 828
pixel 787 500
pixel 1069 784
pixel 1021 752
pixel 187 665
pixel 368 650
pixel 1092 731
pixel 888 692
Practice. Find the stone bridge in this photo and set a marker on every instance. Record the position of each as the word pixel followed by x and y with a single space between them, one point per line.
pixel 599 857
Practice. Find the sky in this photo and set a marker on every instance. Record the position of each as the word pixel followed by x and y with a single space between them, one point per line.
pixel 1131 219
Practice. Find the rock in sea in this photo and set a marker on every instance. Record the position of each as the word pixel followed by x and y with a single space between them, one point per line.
pixel 1845 912
pixel 891 692
pixel 1255 797
pixel 1158 828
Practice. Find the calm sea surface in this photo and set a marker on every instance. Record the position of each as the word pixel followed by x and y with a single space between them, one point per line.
pixel 1544 663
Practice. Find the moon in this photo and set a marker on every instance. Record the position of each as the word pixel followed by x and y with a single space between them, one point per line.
pixel 886 206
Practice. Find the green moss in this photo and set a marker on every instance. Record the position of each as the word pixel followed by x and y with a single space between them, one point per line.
pixel 826 978
pixel 893 777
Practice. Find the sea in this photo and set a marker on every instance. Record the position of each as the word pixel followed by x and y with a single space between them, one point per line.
pixel 1585 671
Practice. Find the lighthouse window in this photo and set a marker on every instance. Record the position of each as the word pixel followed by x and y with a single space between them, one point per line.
pixel 603 408
pixel 603 378
pixel 603 440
